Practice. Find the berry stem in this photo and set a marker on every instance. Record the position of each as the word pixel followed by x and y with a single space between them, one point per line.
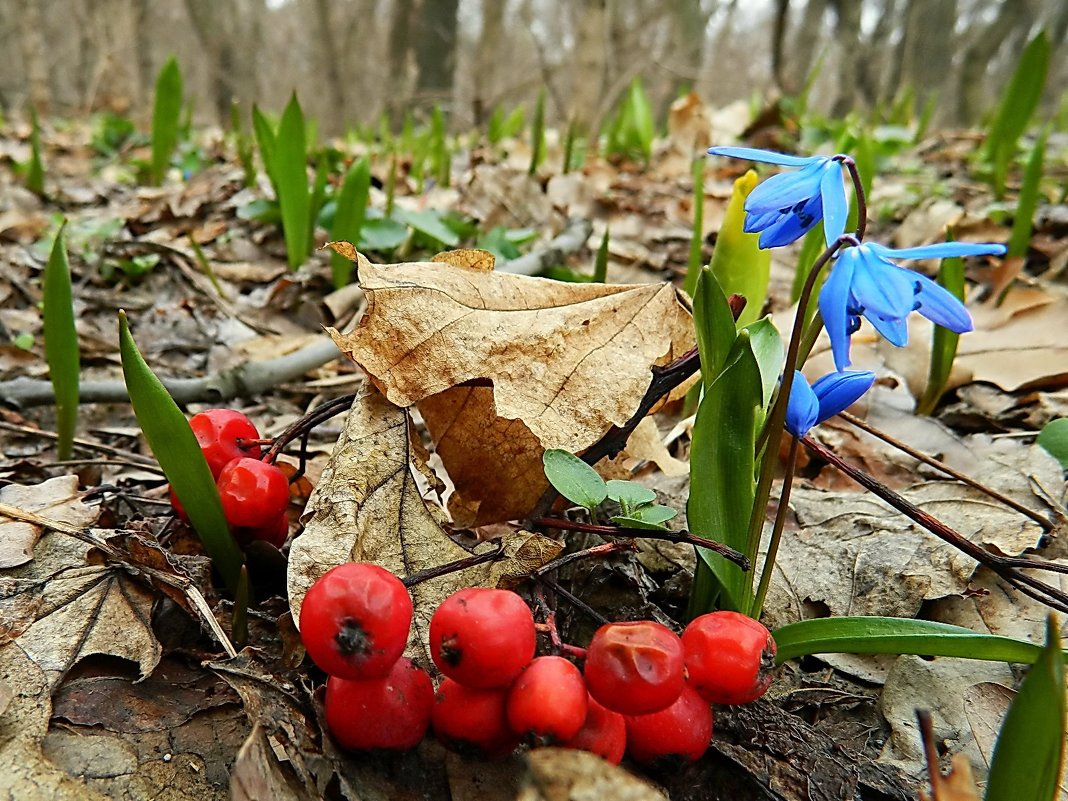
pixel 455 566
pixel 574 600
pixel 320 414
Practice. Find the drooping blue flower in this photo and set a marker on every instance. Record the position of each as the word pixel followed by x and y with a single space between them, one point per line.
pixel 865 283
pixel 788 205
pixel 831 394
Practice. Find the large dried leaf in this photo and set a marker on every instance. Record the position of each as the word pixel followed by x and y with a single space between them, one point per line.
pixel 57 499
pixel 503 367
pixel 367 508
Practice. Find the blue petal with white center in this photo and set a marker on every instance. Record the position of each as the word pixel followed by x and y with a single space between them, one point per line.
pixel 786 206
pixel 866 283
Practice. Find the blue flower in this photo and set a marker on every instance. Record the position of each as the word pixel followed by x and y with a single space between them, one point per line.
pixel 865 283
pixel 786 206
pixel 831 394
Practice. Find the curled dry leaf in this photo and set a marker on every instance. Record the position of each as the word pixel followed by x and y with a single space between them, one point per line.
pixel 257 773
pixel 504 366
pixel 367 508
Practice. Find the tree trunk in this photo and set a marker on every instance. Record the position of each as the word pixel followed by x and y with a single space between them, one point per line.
pixel 847 37
pixel 487 60
pixel 778 43
pixel 34 56
pixel 330 64
pixel 143 46
pixel 400 45
pixel 435 52
pixel 808 36
pixel 213 25
pixel 927 56
pixel 588 62
pixel 1012 15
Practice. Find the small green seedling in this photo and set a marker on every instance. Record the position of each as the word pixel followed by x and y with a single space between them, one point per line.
pixel 35 166
pixel 166 114
pixel 61 344
pixel 943 341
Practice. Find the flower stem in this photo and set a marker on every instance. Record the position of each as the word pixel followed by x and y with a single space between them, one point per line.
pixel 858 189
pixel 776 532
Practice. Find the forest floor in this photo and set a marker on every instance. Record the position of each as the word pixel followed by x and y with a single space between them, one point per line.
pixel 112 687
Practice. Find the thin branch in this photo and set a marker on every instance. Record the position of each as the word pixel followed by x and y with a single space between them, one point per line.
pixel 455 566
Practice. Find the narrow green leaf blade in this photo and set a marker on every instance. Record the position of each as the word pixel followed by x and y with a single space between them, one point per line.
pixel 1029 752
pixel 714 325
pixel 61 343
pixel 1054 438
pixel 1022 222
pixel 290 168
pixel 166 113
pixel 738 263
pixel 176 449
pixel 265 139
pixel 943 341
pixel 574 479
pixel 349 217
pixel 315 201
pixel 697 234
pixel 894 635
pixel 600 265
pixel 35 169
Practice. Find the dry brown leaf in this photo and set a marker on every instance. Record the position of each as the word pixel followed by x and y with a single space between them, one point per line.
pixel 504 366
pixel 957 785
pixel 559 774
pixel 257 775
pixel 57 498
pixel 367 508
pixel 468 258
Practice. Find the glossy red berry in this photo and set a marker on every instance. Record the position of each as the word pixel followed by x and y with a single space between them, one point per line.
pixel 355 621
pixel 275 533
pixel 471 721
pixel 683 730
pixel 254 494
pixel 604 733
pixel 177 505
pixel 217 432
pixel 482 637
pixel 392 712
pixel 635 668
pixel 729 657
pixel 547 701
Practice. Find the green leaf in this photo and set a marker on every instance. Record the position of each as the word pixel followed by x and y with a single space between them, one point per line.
pixel 61 343
pixel 896 635
pixel 1054 438
pixel 630 493
pixel 289 163
pixel 713 324
pixel 574 479
pixel 721 471
pixel 1019 101
pixel 1020 239
pixel 943 341
pixel 569 146
pixel 600 265
pixel 349 216
pixel 166 111
pixel 652 516
pixel 769 352
pixel 811 248
pixel 537 135
pixel 266 139
pixel 35 168
pixel 1029 752
pixel 697 235
pixel 738 263
pixel 382 234
pixel 429 223
pixel 176 449
pixel 315 201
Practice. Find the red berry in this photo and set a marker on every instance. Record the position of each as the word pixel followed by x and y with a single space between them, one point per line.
pixel 729 657
pixel 481 637
pixel 682 730
pixel 217 432
pixel 275 533
pixel 472 721
pixel 177 506
pixel 393 712
pixel 254 494
pixel 604 733
pixel 547 700
pixel 355 620
pixel 635 668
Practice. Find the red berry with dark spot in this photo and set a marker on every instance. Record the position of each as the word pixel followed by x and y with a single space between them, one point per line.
pixel 604 733
pixel 729 657
pixel 392 712
pixel 254 494
pixel 217 432
pixel 547 701
pixel 355 621
pixel 683 730
pixel 472 721
pixel 482 637
pixel 635 668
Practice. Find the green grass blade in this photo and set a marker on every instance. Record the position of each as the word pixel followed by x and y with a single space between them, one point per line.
pixel 35 168
pixel 176 449
pixel 600 264
pixel 569 146
pixel 290 167
pixel 318 193
pixel 737 262
pixel 811 248
pixel 697 236
pixel 266 141
pixel 895 635
pixel 61 344
pixel 1020 238
pixel 537 135
pixel 166 114
pixel 1019 101
pixel 721 473
pixel 641 118
pixel 439 150
pixel 1029 753
pixel 943 341
pixel 349 216
pixel 713 324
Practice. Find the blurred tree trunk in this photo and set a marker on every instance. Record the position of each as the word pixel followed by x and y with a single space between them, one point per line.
pixel 1012 16
pixel 870 70
pixel 487 60
pixel 144 48
pixel 927 46
pixel 806 40
pixel 689 22
pixel 778 44
pixel 588 62
pixel 34 55
pixel 435 51
pixel 400 45
pixel 330 64
pixel 214 26
pixel 854 54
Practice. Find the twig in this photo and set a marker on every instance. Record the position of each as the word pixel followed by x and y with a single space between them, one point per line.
pixel 30 431
pixel 945 468
pixel 455 566
pixel 571 239
pixel 574 600
pixel 179 582
pixel 316 416
pixel 597 550
pixel 649 534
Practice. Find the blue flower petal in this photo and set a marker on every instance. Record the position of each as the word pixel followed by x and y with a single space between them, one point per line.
pixel 803 408
pixel 791 226
pixel 880 287
pixel 939 250
pixel 941 306
pixel 835 206
pixel 836 392
pixel 764 156
pixel 894 330
pixel 785 190
pixel 834 305
pixel 755 223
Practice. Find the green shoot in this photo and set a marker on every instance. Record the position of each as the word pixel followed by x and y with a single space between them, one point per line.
pixel 289 164
pixel 166 113
pixel 944 341
pixel 697 238
pixel 600 265
pixel 537 135
pixel 35 166
pixel 349 216
pixel 1020 239
pixel 61 344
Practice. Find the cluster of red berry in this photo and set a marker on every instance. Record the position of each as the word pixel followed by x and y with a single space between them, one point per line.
pixel 254 494
pixel 643 690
